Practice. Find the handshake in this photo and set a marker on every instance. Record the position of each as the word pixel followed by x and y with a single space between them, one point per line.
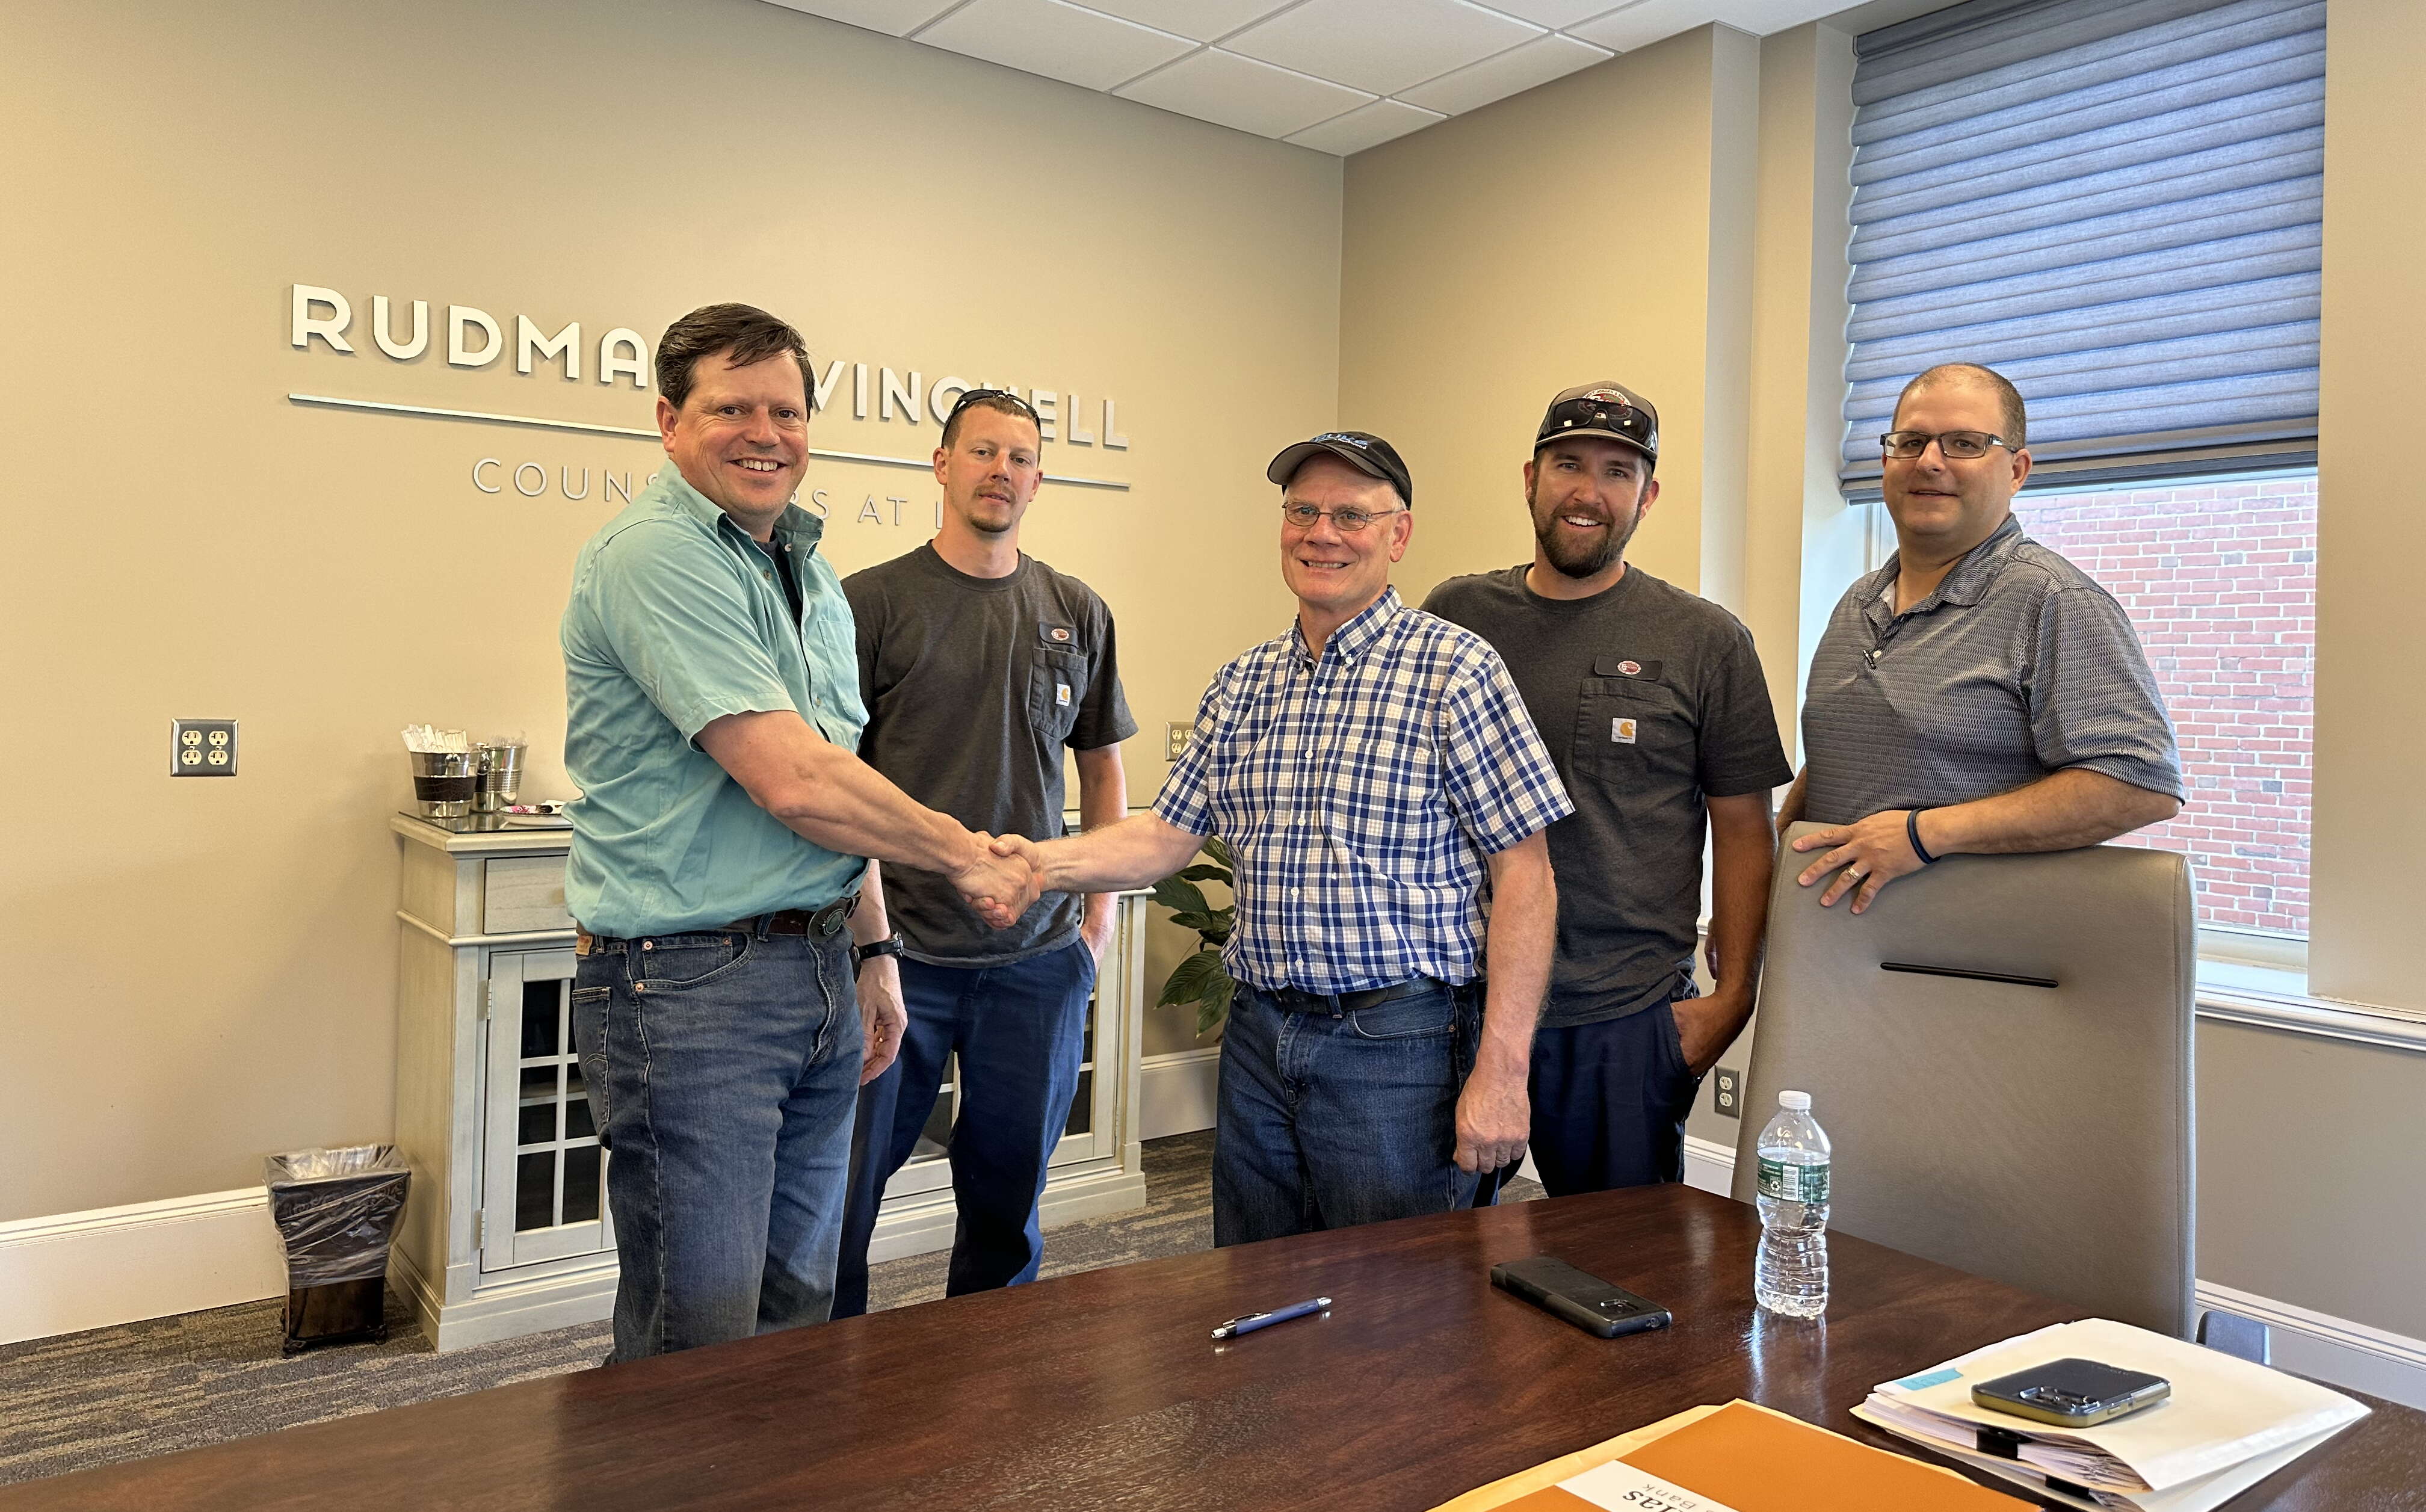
pixel 1003 879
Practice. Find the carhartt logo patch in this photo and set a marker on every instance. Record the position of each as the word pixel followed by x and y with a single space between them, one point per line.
pixel 1062 694
pixel 1629 669
pixel 1620 731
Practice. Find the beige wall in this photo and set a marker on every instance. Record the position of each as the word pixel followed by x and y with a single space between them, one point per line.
pixel 216 957
pixel 1557 237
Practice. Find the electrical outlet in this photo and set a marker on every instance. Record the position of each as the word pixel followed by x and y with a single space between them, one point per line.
pixel 1727 1095
pixel 201 747
pixel 1175 740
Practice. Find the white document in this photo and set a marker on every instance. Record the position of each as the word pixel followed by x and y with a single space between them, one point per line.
pixel 1621 1488
pixel 2223 1410
pixel 2199 1495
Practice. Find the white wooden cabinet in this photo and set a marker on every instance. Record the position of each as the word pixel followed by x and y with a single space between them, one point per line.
pixel 507 1231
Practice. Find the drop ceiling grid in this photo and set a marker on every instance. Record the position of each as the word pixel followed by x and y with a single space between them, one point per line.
pixel 1334 75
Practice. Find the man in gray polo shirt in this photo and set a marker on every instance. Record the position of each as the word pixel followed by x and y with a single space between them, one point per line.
pixel 1979 693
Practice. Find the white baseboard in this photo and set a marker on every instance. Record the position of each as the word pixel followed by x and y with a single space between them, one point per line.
pixel 2322 1347
pixel 74 1271
pixel 1709 1166
pixel 1178 1092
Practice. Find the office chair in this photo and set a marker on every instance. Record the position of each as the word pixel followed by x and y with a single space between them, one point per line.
pixel 1999 1050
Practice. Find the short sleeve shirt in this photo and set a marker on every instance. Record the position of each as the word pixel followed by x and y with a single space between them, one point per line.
pixel 1363 794
pixel 677 618
pixel 1651 702
pixel 2017 667
pixel 974 688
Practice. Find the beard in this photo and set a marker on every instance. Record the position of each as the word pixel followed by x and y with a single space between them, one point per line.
pixel 1579 559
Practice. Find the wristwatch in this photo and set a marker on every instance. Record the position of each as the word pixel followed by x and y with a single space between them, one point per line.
pixel 862 955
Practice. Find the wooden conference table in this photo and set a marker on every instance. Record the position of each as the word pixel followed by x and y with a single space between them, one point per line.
pixel 1102 1391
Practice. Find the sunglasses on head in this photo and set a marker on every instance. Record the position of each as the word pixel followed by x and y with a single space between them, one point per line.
pixel 970 397
pixel 1600 414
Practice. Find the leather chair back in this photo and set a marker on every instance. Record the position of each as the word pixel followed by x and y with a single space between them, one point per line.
pixel 1999 1051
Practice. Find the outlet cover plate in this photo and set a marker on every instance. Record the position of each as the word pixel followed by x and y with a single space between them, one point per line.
pixel 1175 740
pixel 1726 1092
pixel 201 747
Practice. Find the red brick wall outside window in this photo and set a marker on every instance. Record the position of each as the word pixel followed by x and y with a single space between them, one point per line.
pixel 2219 580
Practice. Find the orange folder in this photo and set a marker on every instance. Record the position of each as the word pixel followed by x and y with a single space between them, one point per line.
pixel 1754 1460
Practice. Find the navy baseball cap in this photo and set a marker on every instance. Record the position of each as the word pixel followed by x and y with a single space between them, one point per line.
pixel 1369 454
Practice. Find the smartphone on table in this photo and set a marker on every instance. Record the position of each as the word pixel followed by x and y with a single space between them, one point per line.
pixel 2072 1393
pixel 1593 1305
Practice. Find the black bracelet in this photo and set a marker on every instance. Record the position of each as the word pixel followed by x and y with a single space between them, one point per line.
pixel 1912 833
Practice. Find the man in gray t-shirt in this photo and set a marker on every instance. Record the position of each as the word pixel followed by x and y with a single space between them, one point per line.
pixel 1978 693
pixel 980 666
pixel 1652 703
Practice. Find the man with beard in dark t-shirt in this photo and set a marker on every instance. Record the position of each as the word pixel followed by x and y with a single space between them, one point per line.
pixel 1652 702
pixel 980 666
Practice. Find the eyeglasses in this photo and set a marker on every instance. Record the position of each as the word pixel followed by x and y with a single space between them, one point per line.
pixel 1960 446
pixel 970 397
pixel 1306 516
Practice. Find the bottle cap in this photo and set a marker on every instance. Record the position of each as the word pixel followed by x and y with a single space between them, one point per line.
pixel 1794 1101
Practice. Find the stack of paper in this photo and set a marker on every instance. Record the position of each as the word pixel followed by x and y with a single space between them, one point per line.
pixel 2228 1424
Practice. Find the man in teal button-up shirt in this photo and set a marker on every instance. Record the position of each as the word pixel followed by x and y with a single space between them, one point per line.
pixel 725 834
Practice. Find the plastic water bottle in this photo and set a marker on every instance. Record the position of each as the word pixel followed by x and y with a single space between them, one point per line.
pixel 1791 1273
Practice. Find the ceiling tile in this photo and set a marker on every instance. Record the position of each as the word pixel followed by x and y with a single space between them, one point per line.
pixel 1555 13
pixel 1059 40
pixel 1643 22
pixel 1381 45
pixel 1239 92
pixel 899 17
pixel 1204 20
pixel 1366 126
pixel 1512 72
pixel 1763 17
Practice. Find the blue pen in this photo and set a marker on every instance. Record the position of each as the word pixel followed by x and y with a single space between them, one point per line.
pixel 1265 1320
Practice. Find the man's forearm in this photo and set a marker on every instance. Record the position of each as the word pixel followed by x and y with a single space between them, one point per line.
pixel 1743 849
pixel 2059 812
pixel 824 793
pixel 870 922
pixel 1521 937
pixel 1137 851
pixel 1103 800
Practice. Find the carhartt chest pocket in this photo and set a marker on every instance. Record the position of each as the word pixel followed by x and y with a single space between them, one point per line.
pixel 1630 723
pixel 1057 680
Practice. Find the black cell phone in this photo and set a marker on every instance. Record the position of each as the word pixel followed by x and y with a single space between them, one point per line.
pixel 2072 1393
pixel 1579 1296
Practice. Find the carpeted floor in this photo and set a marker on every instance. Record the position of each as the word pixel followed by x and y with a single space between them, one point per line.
pixel 109 1394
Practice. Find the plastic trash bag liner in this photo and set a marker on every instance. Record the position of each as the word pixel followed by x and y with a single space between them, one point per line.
pixel 336 1210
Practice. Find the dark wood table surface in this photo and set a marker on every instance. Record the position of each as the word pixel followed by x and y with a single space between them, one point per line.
pixel 1102 1391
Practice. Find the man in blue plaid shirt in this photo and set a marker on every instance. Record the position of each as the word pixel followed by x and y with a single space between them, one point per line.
pixel 1372 768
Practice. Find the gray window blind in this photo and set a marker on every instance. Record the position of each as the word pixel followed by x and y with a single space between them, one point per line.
pixel 2117 204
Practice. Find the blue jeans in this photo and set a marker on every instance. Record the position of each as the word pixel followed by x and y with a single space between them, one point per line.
pixel 1329 1118
pixel 723 1066
pixel 1019 1030
pixel 1610 1102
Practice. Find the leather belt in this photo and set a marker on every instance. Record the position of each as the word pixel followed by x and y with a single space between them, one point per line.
pixel 817 924
pixel 1293 1001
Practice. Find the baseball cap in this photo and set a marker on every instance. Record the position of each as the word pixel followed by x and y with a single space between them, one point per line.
pixel 1369 454
pixel 1611 410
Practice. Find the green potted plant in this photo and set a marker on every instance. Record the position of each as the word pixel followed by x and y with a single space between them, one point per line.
pixel 1200 979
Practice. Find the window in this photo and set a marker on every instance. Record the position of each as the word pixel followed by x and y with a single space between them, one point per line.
pixel 2219 579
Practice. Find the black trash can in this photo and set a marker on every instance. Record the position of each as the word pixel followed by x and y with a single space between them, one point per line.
pixel 337 1212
